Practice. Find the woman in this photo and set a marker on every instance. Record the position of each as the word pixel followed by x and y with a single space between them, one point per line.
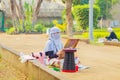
pixel 112 35
pixel 53 49
pixel 54 44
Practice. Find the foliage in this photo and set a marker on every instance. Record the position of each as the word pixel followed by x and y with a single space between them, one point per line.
pixel 115 2
pixel 55 22
pixel 28 19
pixel 62 26
pixel 11 30
pixel 26 24
pixel 80 2
pixel 105 6
pixel 39 28
pixel 20 28
pixel 8 23
pixel 63 1
pixel 81 14
pixel 49 24
pixel 28 28
pixel 64 15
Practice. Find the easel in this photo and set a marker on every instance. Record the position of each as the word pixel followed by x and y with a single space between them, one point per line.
pixel 69 49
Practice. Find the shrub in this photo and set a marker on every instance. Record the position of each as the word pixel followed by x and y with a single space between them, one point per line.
pixel 48 24
pixel 39 28
pixel 8 23
pixel 11 30
pixel 81 14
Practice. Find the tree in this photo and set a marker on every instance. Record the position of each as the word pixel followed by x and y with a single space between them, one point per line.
pixel 81 15
pixel 18 15
pixel 105 6
pixel 69 17
pixel 36 12
pixel 22 15
pixel 14 14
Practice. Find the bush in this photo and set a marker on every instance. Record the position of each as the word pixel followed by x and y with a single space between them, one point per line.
pixel 39 28
pixel 11 30
pixel 81 14
pixel 8 23
pixel 48 24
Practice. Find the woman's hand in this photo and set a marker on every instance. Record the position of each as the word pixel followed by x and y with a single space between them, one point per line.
pixel 61 54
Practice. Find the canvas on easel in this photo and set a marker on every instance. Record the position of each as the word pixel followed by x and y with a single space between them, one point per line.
pixel 71 43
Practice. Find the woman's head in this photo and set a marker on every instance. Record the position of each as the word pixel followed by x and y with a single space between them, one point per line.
pixel 55 33
pixel 54 43
pixel 110 29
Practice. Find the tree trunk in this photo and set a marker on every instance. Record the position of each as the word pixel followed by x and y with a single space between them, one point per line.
pixel 36 12
pixel 17 14
pixel 22 15
pixel 69 18
pixel 13 12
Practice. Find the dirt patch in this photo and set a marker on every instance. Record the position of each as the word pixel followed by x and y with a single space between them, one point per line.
pixel 104 61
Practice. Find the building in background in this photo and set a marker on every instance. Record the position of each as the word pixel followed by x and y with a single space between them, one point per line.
pixel 49 9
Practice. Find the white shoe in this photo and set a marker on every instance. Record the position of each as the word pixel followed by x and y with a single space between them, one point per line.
pixel 84 67
pixel 81 67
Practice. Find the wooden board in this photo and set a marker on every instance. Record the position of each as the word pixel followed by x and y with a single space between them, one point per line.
pixel 71 43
